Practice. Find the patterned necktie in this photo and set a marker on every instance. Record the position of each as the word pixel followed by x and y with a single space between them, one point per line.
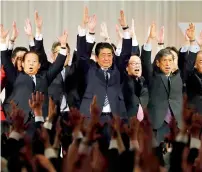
pixel 106 102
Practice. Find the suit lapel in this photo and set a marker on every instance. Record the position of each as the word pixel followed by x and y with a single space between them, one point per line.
pixel 100 75
pixel 165 82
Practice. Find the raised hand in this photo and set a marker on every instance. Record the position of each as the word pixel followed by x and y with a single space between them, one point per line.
pixel 38 22
pixel 15 32
pixel 94 110
pixel 28 28
pixel 52 110
pixel 17 118
pixel 132 30
pixel 36 103
pixel 44 137
pixel 92 23
pixel 161 35
pixel 3 34
pixel 122 19
pixel 104 32
pixel 63 38
pixel 85 17
pixel 152 33
pixel 119 34
pixel 44 162
pixel 191 32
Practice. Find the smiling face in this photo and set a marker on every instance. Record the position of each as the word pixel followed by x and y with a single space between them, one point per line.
pixel 31 64
pixel 105 58
pixel 134 67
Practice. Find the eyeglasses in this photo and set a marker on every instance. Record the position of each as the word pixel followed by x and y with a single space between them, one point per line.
pixel 134 64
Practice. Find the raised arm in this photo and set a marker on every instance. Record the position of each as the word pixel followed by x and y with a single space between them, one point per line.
pixel 9 68
pixel 147 68
pixel 39 47
pixel 57 66
pixel 193 49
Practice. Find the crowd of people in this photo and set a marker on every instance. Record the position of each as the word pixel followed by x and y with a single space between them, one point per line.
pixel 105 110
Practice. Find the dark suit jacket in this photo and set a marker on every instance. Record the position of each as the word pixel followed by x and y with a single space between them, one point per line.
pixel 96 83
pixel 194 90
pixel 59 87
pixel 160 97
pixel 23 85
pixel 134 90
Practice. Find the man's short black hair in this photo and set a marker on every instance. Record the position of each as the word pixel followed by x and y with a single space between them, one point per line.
pixel 17 49
pixel 162 53
pixel 102 45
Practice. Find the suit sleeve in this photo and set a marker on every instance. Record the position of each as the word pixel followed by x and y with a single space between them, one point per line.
pixel 124 57
pixel 147 68
pixel 10 71
pixel 83 54
pixel 39 48
pixel 56 68
pixel 189 64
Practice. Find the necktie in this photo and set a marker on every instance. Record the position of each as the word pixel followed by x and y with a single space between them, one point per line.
pixel 33 80
pixel 169 83
pixel 106 102
pixel 63 74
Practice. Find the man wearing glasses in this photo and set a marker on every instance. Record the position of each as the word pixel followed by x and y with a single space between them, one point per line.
pixel 134 88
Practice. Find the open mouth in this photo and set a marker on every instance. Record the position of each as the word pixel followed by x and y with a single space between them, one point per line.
pixel 31 68
pixel 137 70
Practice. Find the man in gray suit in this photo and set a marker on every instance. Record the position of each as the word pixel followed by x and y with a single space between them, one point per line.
pixel 165 88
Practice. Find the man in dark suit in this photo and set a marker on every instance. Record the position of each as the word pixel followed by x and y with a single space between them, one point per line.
pixel 194 82
pixel 102 78
pixel 134 86
pixel 30 80
pixel 165 88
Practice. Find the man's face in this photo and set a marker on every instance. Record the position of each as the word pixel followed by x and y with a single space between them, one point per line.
pixel 165 64
pixel 31 64
pixel 134 67
pixel 198 63
pixel 17 60
pixel 105 58
pixel 56 52
pixel 175 64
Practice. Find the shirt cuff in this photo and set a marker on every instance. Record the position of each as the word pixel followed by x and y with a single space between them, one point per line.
pixel 84 149
pixel 48 125
pixel 3 47
pixel 39 119
pixel 31 43
pixel 134 144
pixel 182 138
pixel 160 47
pixel 194 48
pixel 184 49
pixel 126 35
pixel 81 31
pixel 195 143
pixel 147 47
pixel 134 42
pixel 15 135
pixel 50 153
pixel 63 52
pixel 10 45
pixel 118 51
pixel 39 37
pixel 79 136
pixel 90 38
pixel 113 144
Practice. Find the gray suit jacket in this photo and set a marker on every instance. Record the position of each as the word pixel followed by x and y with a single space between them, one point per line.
pixel 160 96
